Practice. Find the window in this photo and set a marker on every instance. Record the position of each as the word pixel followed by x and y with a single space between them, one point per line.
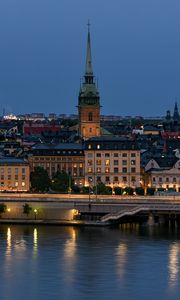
pixel 160 179
pixel 116 170
pixel 23 183
pixel 80 165
pixel 124 179
pixel 133 178
pixel 98 162
pixel 89 162
pixel 98 170
pixel 124 170
pixel 98 154
pixel 90 116
pixel 2 170
pixel 154 179
pixel 9 170
pixel 107 162
pixel 167 179
pixel 115 178
pixel 107 170
pixel 107 179
pixel 98 146
pixel 124 155
pixel 16 183
pixel 89 146
pixel 90 129
pixel 16 170
pixel 9 177
pixel 115 154
pixel 124 162
pixel 174 179
pixel 98 179
pixel 107 155
pixel 90 155
pixel 133 154
pixel 133 162
pixel 89 170
pixel 133 170
pixel 16 177
pixel 116 162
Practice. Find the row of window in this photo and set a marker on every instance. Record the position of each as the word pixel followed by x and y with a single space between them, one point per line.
pixel 11 170
pixel 56 158
pixel 115 179
pixel 115 162
pixel 112 154
pixel 9 177
pixel 115 170
pixel 2 183
pixel 167 179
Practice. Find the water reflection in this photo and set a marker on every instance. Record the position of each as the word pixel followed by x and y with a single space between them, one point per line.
pixel 35 242
pixel 70 254
pixel 174 255
pixel 121 254
pixel 9 245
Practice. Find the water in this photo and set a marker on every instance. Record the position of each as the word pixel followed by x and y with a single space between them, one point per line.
pixel 71 263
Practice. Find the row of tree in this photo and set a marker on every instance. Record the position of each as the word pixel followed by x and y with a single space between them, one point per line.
pixel 64 183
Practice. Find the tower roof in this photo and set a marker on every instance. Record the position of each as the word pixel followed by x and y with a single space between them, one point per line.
pixel 88 70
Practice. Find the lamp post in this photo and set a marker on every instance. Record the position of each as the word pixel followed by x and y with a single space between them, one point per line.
pixel 35 213
pixel 69 187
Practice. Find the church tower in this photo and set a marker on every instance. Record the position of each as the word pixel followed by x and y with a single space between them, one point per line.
pixel 89 100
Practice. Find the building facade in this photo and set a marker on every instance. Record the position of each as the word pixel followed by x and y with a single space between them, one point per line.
pixel 113 161
pixel 68 157
pixel 89 101
pixel 14 175
pixel 162 175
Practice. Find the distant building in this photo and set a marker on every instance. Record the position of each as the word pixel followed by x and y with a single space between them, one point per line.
pixel 14 175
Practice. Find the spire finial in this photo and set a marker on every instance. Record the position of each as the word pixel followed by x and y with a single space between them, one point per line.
pixel 88 25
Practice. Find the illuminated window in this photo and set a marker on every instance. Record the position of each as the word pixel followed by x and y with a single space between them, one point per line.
pixel 23 183
pixel 89 146
pixel 98 162
pixel 107 170
pixel 89 162
pixel 98 146
pixel 107 162
pixel 16 183
pixel 89 170
pixel 133 162
pixel 98 170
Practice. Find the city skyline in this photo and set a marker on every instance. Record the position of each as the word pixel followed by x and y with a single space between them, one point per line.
pixel 135 60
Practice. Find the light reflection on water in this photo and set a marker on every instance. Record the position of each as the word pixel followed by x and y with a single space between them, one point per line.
pixel 89 263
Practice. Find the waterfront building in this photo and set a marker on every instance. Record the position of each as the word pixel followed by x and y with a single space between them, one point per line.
pixel 163 173
pixel 14 175
pixel 112 160
pixel 68 157
pixel 89 101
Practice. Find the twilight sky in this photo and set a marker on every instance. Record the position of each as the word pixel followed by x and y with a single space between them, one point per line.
pixel 135 50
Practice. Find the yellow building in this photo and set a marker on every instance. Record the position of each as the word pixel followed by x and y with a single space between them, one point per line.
pixel 113 161
pixel 14 175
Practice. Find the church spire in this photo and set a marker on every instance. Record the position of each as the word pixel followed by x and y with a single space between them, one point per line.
pixel 88 71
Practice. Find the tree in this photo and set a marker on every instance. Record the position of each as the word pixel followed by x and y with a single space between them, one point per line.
pixel 3 208
pixel 40 181
pixel 61 182
pixel 118 190
pixel 140 191
pixel 128 190
pixel 27 209
pixel 102 189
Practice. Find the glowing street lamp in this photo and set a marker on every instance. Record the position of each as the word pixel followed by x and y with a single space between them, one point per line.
pixel 35 213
